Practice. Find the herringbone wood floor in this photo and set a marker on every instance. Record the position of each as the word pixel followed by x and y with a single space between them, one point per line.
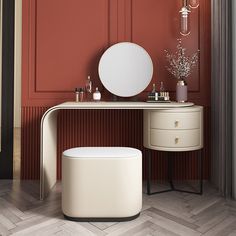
pixel 173 213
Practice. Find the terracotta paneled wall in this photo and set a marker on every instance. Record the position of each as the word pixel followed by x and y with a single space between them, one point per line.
pixel 62 43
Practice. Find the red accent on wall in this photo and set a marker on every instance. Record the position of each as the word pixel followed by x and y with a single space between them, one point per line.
pixel 62 43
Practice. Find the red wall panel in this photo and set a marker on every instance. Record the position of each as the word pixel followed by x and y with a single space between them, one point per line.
pixel 62 43
pixel 69 39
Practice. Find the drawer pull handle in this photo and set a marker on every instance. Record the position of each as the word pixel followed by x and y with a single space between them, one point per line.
pixel 176 123
pixel 176 140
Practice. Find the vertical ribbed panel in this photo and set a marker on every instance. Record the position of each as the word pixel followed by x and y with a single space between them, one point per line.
pixel 30 142
pixel 104 128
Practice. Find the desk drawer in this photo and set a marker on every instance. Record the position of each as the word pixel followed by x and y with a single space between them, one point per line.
pixel 165 120
pixel 175 138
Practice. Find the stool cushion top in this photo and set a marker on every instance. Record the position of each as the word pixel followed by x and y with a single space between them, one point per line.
pixel 101 152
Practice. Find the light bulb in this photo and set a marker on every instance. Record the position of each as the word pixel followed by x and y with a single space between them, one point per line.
pixel 194 3
pixel 184 21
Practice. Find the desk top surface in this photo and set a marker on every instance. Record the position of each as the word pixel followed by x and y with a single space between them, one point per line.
pixel 121 105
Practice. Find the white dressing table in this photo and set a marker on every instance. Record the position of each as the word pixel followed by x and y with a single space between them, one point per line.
pixel 180 111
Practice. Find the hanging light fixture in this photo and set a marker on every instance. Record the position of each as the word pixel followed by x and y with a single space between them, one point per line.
pixel 194 3
pixel 184 19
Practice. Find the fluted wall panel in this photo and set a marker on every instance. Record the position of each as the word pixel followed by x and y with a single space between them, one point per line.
pixel 105 128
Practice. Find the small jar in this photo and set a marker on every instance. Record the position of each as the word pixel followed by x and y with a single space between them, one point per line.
pixel 96 95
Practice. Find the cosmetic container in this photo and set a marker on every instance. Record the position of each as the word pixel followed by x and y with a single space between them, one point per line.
pixel 153 88
pixel 96 95
pixel 77 94
pixel 162 88
pixel 156 96
pixel 81 95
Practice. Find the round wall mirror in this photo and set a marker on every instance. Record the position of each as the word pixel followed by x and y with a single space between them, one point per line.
pixel 125 69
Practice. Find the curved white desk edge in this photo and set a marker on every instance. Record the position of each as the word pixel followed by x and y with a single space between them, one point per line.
pixel 48 139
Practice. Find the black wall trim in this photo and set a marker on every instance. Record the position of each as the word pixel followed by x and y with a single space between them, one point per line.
pixel 6 155
pixel 221 100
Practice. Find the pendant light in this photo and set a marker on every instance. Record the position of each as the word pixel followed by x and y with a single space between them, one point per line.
pixel 184 19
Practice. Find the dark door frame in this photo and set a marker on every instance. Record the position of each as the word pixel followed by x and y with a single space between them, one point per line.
pixel 8 31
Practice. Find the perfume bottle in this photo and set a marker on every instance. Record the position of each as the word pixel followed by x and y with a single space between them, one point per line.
pixel 97 95
pixel 153 88
pixel 88 87
pixel 77 94
pixel 162 89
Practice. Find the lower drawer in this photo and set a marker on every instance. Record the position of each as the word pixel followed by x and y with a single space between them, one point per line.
pixel 175 138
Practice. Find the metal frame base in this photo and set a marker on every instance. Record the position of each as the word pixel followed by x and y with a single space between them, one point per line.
pixel 170 175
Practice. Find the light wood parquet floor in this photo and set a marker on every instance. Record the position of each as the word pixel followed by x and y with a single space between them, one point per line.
pixel 171 214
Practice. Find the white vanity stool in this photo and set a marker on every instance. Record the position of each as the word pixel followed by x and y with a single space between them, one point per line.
pixel 101 183
pixel 173 130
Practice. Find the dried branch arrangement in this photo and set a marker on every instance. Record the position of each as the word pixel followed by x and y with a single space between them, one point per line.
pixel 181 65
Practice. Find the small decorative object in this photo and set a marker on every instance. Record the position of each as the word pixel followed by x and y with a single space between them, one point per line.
pixel 162 88
pixel 81 94
pixel 88 87
pixel 180 66
pixel 153 88
pixel 96 95
pixel 152 96
pixel 161 96
pixel 77 94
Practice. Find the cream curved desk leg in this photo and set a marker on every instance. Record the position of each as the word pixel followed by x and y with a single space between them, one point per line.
pixel 48 152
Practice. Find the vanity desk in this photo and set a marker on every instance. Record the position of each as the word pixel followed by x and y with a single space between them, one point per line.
pixel 167 127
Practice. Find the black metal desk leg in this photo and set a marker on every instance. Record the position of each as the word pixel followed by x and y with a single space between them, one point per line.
pixel 170 174
pixel 201 171
pixel 148 171
pixel 170 170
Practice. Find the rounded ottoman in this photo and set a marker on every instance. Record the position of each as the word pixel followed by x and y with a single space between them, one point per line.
pixel 101 183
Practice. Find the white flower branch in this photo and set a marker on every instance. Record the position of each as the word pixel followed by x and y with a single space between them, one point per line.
pixel 180 65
